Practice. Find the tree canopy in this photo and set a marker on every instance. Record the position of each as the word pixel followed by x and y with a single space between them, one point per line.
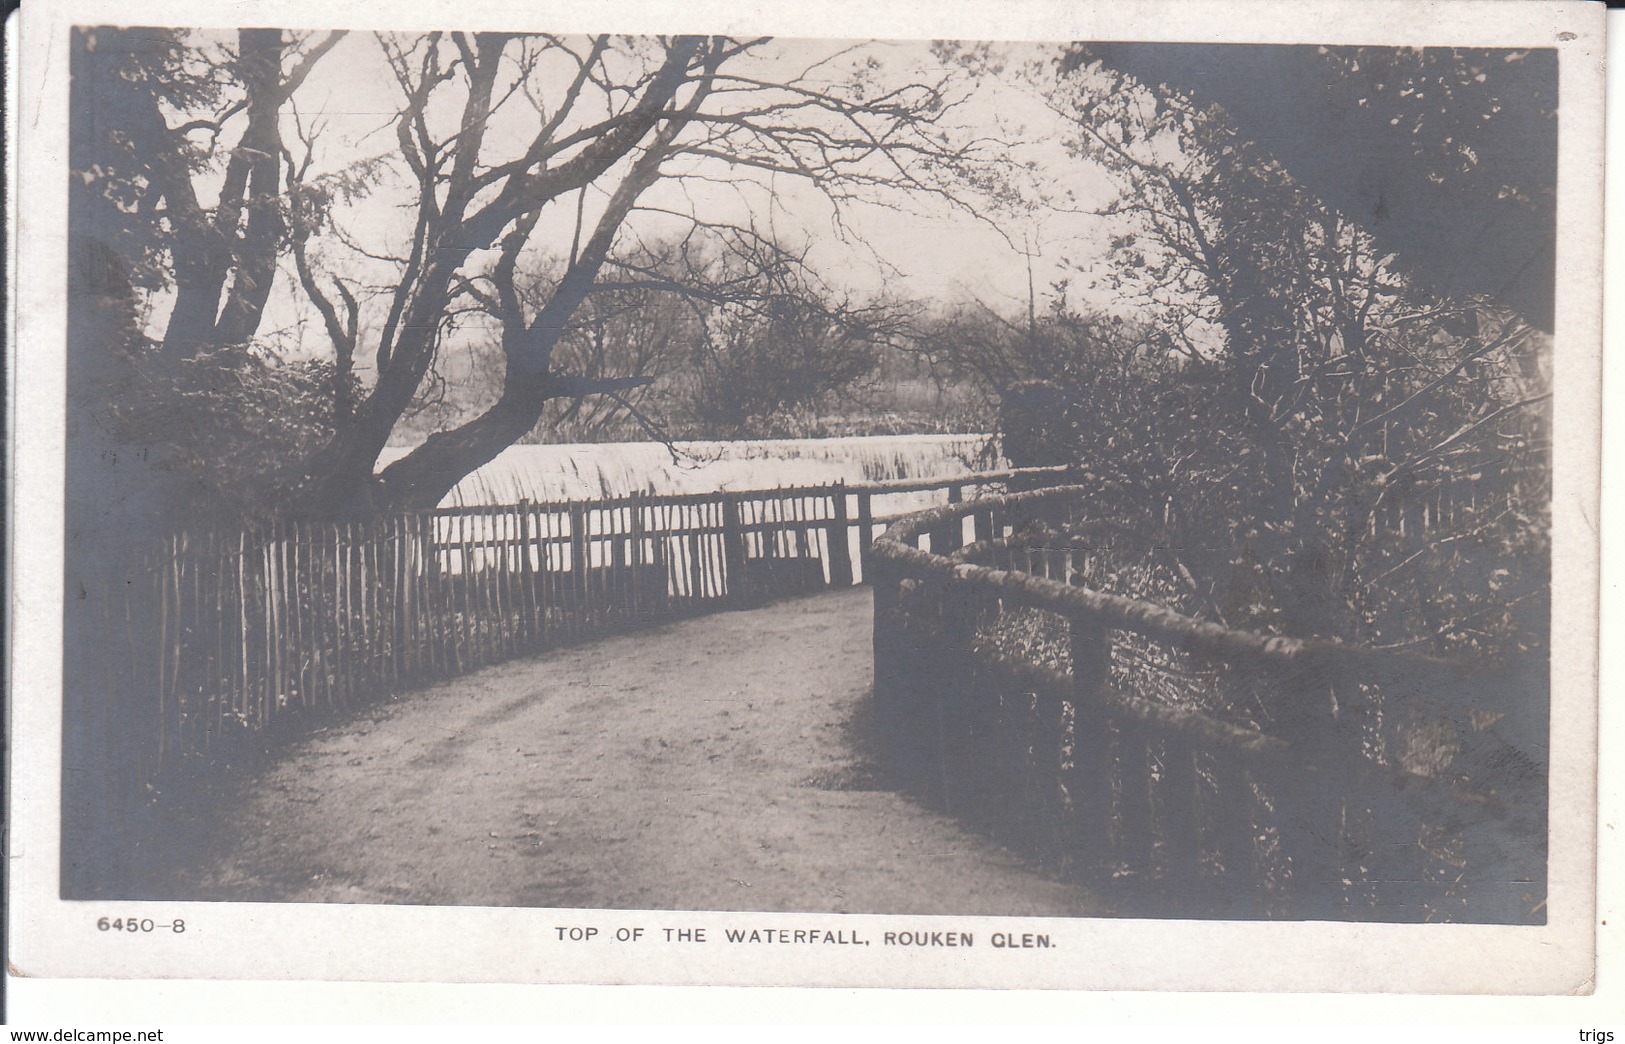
pixel 1446 156
pixel 1315 439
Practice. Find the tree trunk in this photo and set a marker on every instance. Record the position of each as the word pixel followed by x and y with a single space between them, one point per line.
pixel 422 479
pixel 342 483
pixel 260 65
pixel 207 251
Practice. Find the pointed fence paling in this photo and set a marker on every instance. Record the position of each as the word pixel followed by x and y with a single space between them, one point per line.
pixel 221 635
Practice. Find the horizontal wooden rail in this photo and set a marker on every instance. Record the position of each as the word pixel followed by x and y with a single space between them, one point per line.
pixel 1271 780
pixel 1204 636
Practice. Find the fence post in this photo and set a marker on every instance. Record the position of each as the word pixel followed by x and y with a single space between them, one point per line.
pixel 890 654
pixel 691 550
pixel 866 534
pixel 578 553
pixel 949 678
pixel 947 537
pixel 840 553
pixel 637 563
pixel 528 614
pixel 1176 810
pixel 1135 840
pixel 525 538
pixel 1050 798
pixel 983 525
pixel 431 549
pixel 956 529
pixel 733 552
pixel 1091 773
pixel 1237 836
pixel 1309 799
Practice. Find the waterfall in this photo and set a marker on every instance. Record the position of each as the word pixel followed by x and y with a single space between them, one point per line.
pixel 582 471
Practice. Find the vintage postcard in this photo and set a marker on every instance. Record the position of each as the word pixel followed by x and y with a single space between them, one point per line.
pixel 1038 495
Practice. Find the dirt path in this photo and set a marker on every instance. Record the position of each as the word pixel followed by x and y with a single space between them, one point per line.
pixel 706 764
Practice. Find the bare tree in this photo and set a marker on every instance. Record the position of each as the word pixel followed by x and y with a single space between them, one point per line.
pixel 200 173
pixel 735 337
pixel 631 113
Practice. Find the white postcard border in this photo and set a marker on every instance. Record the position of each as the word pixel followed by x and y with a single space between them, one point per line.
pixel 271 941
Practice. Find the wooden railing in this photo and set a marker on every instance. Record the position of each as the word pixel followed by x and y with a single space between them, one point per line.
pixel 1180 767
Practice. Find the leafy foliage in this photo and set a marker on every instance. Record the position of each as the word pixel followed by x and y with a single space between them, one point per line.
pixel 1324 447
pixel 213 425
pixel 130 84
pixel 231 431
pixel 1446 155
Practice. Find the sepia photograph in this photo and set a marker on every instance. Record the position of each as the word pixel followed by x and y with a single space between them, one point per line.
pixel 860 496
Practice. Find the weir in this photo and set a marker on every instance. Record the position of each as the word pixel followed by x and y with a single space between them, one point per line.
pixel 549 473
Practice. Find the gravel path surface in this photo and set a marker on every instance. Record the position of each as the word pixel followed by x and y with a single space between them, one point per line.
pixel 709 764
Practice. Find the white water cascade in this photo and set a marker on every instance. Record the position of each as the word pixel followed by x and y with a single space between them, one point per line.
pixel 551 473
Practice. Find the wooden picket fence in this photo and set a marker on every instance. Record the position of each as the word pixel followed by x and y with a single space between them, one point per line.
pixel 218 635
pixel 214 637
